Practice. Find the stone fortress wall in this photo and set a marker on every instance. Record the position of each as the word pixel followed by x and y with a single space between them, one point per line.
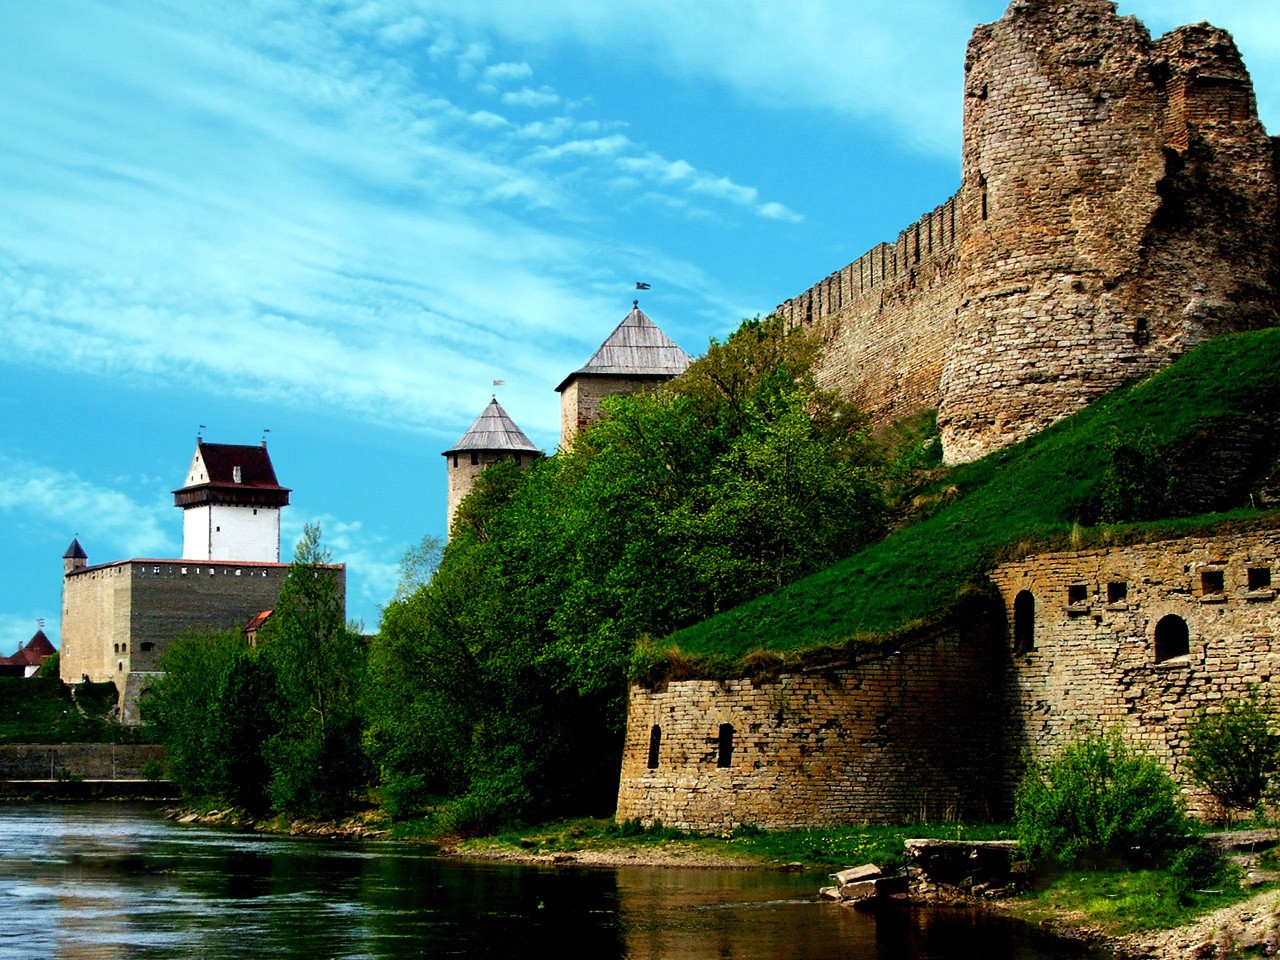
pixel 1118 206
pixel 118 618
pixel 1136 638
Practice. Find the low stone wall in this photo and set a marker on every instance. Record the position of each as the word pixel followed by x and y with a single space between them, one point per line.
pixel 88 761
pixel 911 735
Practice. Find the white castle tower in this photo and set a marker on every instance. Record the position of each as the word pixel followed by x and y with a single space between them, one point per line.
pixel 231 504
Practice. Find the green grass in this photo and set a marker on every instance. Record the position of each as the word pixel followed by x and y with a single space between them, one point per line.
pixel 1029 496
pixel 1119 902
pixel 832 847
pixel 41 710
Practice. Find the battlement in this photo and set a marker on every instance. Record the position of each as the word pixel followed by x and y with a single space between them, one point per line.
pixel 1117 207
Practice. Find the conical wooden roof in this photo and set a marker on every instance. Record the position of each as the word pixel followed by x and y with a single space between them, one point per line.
pixel 494 430
pixel 636 348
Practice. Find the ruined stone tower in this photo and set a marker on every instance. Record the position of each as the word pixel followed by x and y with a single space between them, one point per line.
pixel 493 438
pixel 635 356
pixel 1118 206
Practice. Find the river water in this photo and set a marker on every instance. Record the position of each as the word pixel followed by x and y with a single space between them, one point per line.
pixel 117 881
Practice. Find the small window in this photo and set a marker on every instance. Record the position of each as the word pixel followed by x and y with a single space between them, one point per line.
pixel 655 746
pixel 237 573
pixel 184 571
pixel 1024 622
pixel 155 569
pixel 1077 593
pixel 724 748
pixel 217 529
pixel 1211 581
pixel 455 459
pixel 120 666
pixel 475 459
pixel 1172 638
pixel 1259 578
pixel 115 647
pixel 1117 591
pixel 147 646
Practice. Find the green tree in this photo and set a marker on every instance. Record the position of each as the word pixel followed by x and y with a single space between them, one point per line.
pixel 318 663
pixel 1095 800
pixel 212 734
pixel 1234 752
pixel 503 681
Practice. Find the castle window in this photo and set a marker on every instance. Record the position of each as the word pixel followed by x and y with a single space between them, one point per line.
pixel 237 573
pixel 1172 638
pixel 475 458
pixel 1077 593
pixel 1211 581
pixel 655 745
pixel 455 459
pixel 147 646
pixel 120 665
pixel 982 186
pixel 1024 622
pixel 155 569
pixel 1117 591
pixel 115 647
pixel 724 747
pixel 1259 578
pixel 184 571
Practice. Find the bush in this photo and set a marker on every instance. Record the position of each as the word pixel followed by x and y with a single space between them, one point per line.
pixel 1235 753
pixel 1097 800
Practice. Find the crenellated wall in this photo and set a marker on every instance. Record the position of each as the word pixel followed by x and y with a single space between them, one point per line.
pixel 1118 206
pixel 888 319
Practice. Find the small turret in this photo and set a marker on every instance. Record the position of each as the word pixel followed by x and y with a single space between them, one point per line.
pixel 493 438
pixel 74 558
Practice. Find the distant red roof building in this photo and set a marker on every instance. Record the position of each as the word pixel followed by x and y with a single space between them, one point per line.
pixel 29 658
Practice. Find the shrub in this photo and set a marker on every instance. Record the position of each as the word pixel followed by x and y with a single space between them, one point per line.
pixel 1234 753
pixel 1098 800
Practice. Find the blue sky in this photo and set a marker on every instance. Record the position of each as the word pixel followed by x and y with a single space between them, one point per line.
pixel 342 221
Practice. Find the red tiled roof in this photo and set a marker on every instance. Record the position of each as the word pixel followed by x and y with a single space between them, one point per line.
pixel 256 621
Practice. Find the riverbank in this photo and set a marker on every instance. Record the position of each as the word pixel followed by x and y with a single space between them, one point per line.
pixel 1248 927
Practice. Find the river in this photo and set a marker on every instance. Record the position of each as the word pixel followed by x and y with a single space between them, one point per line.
pixel 111 880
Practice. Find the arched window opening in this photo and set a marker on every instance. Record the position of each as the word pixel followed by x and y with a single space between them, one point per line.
pixel 655 746
pixel 724 752
pixel 1172 638
pixel 1024 622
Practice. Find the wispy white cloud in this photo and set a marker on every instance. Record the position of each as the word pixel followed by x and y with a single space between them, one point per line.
pixel 503 72
pixel 653 167
pixel 528 97
pixel 107 520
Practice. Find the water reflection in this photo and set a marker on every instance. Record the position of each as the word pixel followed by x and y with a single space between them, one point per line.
pixel 117 881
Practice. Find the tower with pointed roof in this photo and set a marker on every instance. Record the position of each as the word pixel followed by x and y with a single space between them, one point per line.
pixel 75 558
pixel 231 504
pixel 493 438
pixel 636 356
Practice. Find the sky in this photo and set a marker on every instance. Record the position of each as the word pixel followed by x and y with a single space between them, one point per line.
pixel 342 221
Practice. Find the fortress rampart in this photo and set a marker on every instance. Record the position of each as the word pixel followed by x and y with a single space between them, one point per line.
pixel 1118 206
pixel 1136 638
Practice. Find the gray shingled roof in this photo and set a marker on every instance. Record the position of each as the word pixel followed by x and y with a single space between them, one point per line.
pixel 636 348
pixel 494 430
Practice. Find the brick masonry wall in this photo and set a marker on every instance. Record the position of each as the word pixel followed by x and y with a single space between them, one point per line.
pixel 1093 666
pixel 462 474
pixel 90 761
pixel 910 735
pixel 942 728
pixel 580 399
pixel 1117 207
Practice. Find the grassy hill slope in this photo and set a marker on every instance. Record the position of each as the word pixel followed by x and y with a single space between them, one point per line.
pixel 42 710
pixel 1214 414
